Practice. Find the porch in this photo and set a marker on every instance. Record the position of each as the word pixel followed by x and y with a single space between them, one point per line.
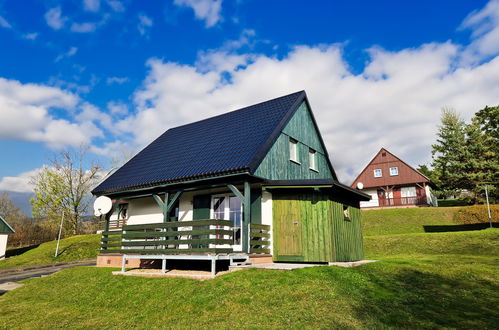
pixel 210 239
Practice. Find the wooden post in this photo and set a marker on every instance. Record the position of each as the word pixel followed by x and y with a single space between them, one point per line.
pixel 245 228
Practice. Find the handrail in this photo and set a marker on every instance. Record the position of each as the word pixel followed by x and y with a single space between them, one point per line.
pixel 260 238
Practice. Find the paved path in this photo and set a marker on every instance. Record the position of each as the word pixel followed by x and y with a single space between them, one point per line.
pixel 8 276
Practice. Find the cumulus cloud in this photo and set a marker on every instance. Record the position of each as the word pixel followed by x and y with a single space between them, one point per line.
pixel 27 115
pixel 91 5
pixel 20 183
pixel 71 52
pixel 4 23
pixel 54 18
pixel 116 80
pixel 84 27
pixel 31 36
pixel 394 103
pixel 116 5
pixel 484 25
pixel 207 10
pixel 145 23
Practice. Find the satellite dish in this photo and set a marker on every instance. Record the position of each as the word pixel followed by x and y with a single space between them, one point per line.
pixel 102 205
pixel 360 185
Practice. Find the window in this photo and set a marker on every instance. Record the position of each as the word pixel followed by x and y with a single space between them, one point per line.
pixel 294 154
pixel 312 155
pixel 229 207
pixel 378 173
pixel 394 171
pixel 123 211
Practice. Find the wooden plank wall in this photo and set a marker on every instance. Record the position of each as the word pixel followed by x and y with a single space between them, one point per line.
pixel 276 164
pixel 325 234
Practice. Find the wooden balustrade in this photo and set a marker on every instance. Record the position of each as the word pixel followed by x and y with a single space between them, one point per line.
pixel 259 238
pixel 178 237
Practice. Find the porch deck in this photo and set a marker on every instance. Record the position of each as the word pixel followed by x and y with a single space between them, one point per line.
pixel 210 239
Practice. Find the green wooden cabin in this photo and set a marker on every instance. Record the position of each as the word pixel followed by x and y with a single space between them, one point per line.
pixel 253 182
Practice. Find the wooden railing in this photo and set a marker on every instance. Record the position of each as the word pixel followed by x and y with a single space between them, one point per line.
pixel 416 200
pixel 179 237
pixel 259 238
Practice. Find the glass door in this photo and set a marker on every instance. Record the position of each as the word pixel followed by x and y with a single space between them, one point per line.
pixel 227 207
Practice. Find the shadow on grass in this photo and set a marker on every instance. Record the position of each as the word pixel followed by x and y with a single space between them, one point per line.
pixel 467 227
pixel 415 299
pixel 61 252
pixel 21 250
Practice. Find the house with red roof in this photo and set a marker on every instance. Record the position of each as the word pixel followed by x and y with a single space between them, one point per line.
pixel 391 182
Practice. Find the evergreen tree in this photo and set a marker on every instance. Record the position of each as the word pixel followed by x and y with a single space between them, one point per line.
pixel 449 154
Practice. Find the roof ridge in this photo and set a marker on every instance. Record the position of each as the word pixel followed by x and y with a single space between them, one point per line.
pixel 235 110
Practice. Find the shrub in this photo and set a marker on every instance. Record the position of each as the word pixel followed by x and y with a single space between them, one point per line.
pixel 476 214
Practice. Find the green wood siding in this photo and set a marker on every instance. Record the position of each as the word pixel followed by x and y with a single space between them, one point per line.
pixel 310 227
pixel 276 165
pixel 256 206
pixel 4 228
pixel 201 207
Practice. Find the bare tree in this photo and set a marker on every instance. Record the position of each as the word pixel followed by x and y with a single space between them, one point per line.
pixel 65 186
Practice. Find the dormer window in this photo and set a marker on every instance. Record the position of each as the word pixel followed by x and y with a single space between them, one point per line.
pixel 293 151
pixel 394 171
pixel 378 173
pixel 312 159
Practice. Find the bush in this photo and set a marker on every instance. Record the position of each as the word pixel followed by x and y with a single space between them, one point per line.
pixel 476 214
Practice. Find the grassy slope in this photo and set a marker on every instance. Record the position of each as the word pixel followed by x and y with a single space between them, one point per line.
pixel 73 248
pixel 423 280
pixel 406 221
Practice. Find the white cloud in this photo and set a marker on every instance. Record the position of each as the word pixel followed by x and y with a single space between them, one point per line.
pixel 116 5
pixel 31 36
pixel 207 10
pixel 91 5
pixel 116 80
pixel 145 23
pixel 20 183
pixel 117 108
pixel 84 27
pixel 4 23
pixel 484 25
pixel 71 52
pixel 54 18
pixel 395 102
pixel 28 115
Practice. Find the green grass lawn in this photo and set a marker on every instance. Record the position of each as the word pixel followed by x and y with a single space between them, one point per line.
pixel 70 249
pixel 422 280
pixel 406 221
pixel 420 285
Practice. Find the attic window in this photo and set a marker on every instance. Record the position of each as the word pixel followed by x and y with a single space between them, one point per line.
pixel 383 154
pixel 312 157
pixel 394 171
pixel 293 151
pixel 378 173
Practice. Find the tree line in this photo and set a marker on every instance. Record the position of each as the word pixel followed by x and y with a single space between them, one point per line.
pixel 465 156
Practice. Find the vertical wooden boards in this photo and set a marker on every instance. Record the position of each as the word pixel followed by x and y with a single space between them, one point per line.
pixel 276 164
pixel 201 205
pixel 308 226
pixel 256 206
pixel 347 233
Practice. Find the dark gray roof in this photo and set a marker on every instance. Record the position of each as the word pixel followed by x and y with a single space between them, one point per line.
pixel 234 142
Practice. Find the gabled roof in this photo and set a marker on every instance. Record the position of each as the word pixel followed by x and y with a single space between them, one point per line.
pixel 231 143
pixel 384 160
pixel 5 228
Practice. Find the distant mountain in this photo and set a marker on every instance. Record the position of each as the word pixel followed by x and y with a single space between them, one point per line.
pixel 21 200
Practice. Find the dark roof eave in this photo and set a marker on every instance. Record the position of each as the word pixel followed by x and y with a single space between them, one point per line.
pixel 178 181
pixel 318 183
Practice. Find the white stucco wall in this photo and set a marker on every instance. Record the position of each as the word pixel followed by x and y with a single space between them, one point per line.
pixel 374 198
pixel 3 245
pixel 267 214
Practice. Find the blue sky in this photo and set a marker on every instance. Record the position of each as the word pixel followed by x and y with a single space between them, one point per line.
pixel 114 74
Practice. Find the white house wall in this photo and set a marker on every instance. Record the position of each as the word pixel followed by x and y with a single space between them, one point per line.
pixel 3 245
pixel 374 198
pixel 267 214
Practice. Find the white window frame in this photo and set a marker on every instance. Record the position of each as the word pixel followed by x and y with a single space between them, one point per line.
pixel 294 151
pixel 312 159
pixel 380 173
pixel 236 247
pixel 396 169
